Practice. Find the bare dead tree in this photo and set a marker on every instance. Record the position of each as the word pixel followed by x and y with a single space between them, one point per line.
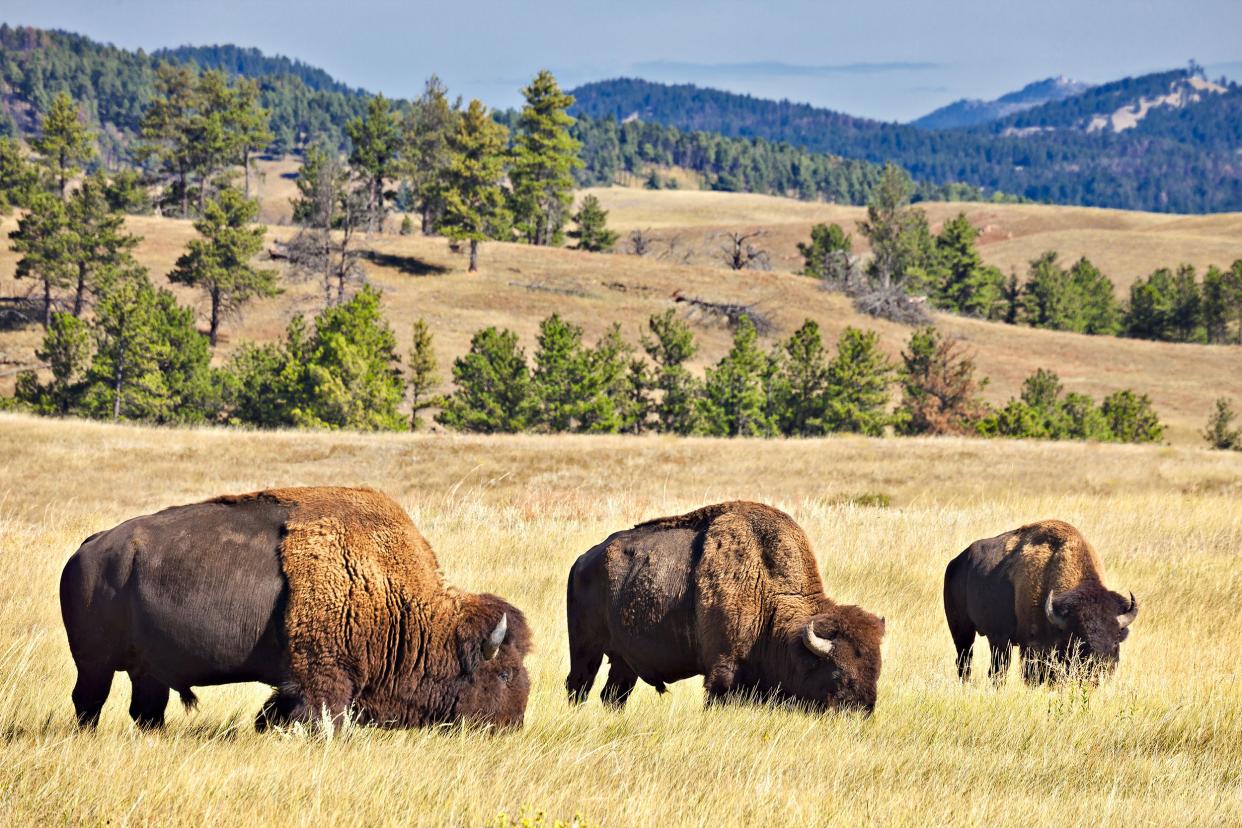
pixel 641 242
pixel 844 273
pixel 730 312
pixel 738 252
pixel 675 250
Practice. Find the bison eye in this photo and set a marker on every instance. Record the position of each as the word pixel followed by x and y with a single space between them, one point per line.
pixel 506 675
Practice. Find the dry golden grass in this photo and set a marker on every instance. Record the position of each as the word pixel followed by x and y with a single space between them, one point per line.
pixel 1160 744
pixel 518 285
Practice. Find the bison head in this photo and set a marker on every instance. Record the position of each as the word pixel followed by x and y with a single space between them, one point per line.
pixel 835 659
pixel 1093 622
pixel 492 641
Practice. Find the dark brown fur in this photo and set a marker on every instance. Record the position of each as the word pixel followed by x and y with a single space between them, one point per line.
pixel 997 587
pixel 726 592
pixel 330 595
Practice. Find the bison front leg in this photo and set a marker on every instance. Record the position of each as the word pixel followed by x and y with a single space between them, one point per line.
pixel 1002 651
pixel 280 709
pixel 90 693
pixel 1037 667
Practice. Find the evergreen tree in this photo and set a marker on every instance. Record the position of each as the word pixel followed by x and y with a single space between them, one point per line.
pixel 493 386
pixel 221 261
pixel 167 128
pixel 1215 309
pixel 150 362
pixel 961 282
pixel 66 351
pixel 1047 299
pixel 249 124
pixel 563 381
pixel 98 244
pixel 856 385
pixel 474 203
pixel 1152 301
pixel 1233 290
pixel 733 400
pixel 805 371
pixel 427 130
pixel 1220 433
pixel 1130 417
pixel 1096 300
pixel 901 242
pixel 1187 311
pixel 1012 300
pixel 64 141
pixel 670 346
pixel 940 394
pixel 422 372
pixel 348 373
pixel 545 156
pixel 828 254
pixel 619 405
pixel 592 232
pixel 19 179
pixel 42 237
pixel 126 193
pixel 376 144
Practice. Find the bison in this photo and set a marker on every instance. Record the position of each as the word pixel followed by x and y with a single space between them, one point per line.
pixel 329 595
pixel 1039 588
pixel 730 592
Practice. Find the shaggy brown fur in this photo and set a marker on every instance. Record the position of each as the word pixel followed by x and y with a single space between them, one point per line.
pixel 998 587
pixel 726 591
pixel 371 624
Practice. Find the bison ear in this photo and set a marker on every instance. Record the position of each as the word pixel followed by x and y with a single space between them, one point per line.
pixel 491 644
pixel 881 625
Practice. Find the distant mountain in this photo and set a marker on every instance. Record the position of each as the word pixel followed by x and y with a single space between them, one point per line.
pixel 969 112
pixel 1179 152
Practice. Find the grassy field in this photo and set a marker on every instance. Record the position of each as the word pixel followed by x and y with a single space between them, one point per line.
pixel 518 285
pixel 1161 744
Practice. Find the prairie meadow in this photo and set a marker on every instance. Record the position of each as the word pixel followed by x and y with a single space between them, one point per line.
pixel 1160 743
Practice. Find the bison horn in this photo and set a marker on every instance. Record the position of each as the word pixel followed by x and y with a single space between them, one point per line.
pixel 822 647
pixel 1127 617
pixel 1056 619
pixel 497 637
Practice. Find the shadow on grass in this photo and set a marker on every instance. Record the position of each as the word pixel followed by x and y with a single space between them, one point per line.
pixel 409 265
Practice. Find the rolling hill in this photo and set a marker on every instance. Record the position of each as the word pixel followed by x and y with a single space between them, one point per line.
pixel 519 285
pixel 968 112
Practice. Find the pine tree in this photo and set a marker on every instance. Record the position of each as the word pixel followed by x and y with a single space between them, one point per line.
pixel 99 246
pixel 150 362
pixel 422 372
pixel 376 145
pixel 805 368
pixel 1187 311
pixel 901 242
pixel 42 237
pixel 19 179
pixel 828 254
pixel 348 369
pixel 592 232
pixel 221 261
pixel 1152 302
pixel 733 400
pixel 1233 290
pixel 670 347
pixel 1216 309
pixel 962 283
pixel 857 383
pixel 167 128
pixel 1131 418
pixel 65 143
pixel 545 156
pixel 249 124
pixel 940 394
pixel 623 380
pixel 1219 432
pixel 66 352
pixel 493 386
pixel 474 203
pixel 427 130
pixel 561 374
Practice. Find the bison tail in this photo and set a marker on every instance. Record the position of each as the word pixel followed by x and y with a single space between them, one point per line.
pixel 188 700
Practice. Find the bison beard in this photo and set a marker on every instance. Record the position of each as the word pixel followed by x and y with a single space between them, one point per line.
pixel 330 595
pixel 730 592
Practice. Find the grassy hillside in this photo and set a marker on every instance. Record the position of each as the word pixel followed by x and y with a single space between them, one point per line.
pixel 517 286
pixel 1124 244
pixel 1159 743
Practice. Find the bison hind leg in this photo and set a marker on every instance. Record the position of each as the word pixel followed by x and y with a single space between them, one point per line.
pixel 148 701
pixel 283 707
pixel 90 693
pixel 621 681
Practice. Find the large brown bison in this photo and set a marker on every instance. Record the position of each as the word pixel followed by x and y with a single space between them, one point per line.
pixel 329 595
pixel 730 592
pixel 1039 588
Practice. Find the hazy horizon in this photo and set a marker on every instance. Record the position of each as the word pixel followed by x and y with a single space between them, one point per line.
pixel 889 60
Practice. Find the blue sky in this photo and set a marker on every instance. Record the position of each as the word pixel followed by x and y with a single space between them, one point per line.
pixel 882 59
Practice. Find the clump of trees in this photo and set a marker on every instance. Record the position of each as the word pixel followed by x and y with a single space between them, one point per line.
pixel 1044 411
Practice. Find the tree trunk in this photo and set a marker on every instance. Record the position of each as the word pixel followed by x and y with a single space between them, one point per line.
pixel 120 383
pixel 427 219
pixel 474 255
pixel 215 315
pixel 246 169
pixel 80 296
pixel 185 194
pixel 47 304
